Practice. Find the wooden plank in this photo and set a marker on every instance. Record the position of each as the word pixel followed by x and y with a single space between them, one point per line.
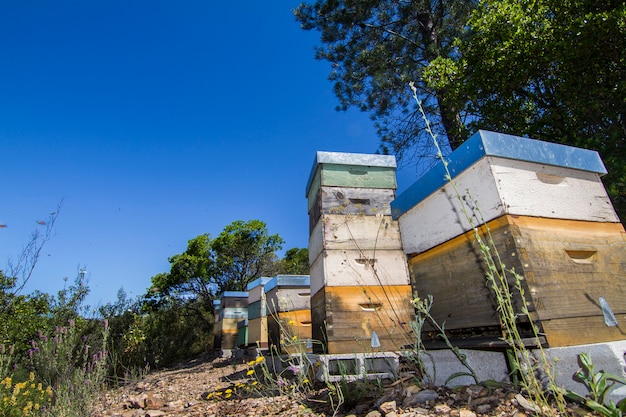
pixel 354 232
pixel 582 330
pixel 351 315
pixel 502 186
pixel 359 268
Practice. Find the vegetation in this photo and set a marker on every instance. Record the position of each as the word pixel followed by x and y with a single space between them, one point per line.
pixel 547 69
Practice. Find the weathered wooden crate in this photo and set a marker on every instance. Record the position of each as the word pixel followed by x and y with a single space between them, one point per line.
pixel 229 332
pixel 217 334
pixel 345 318
pixel 256 289
pixel 257 309
pixel 359 268
pixel 288 292
pixel 500 174
pixel 290 331
pixel 336 169
pixel 348 232
pixel 234 299
pixel 258 332
pixel 565 265
pixel 242 333
pixel 350 201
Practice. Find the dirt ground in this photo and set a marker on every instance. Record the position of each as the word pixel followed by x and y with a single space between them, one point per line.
pixel 183 392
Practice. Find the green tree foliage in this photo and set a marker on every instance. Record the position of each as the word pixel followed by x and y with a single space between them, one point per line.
pixel 547 69
pixel 376 47
pixel 295 262
pixel 242 252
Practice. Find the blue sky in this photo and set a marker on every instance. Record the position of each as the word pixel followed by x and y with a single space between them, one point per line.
pixel 154 122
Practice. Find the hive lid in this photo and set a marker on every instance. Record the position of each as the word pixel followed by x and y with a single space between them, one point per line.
pixel 288 281
pixel 257 282
pixel 485 143
pixel 353 159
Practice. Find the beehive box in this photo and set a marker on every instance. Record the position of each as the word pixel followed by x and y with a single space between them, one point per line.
pixel 287 293
pixel 336 169
pixel 346 318
pixel 257 309
pixel 338 268
pixel 229 332
pixel 500 174
pixel 565 265
pixel 350 201
pixel 242 333
pixel 348 232
pixel 290 331
pixel 256 289
pixel 258 332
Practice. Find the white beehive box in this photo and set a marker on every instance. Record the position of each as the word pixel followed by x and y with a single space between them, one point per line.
pixel 338 268
pixel 354 232
pixel 500 174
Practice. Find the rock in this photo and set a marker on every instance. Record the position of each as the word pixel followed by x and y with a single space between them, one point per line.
pixel 442 409
pixel 464 412
pixel 373 413
pixel 388 407
pixel 154 413
pixel 411 390
pixel 483 408
pixel 152 402
pixel 526 404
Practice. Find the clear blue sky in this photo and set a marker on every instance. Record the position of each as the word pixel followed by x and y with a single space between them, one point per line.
pixel 154 122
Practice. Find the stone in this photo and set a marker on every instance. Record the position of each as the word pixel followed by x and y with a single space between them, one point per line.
pixel 442 409
pixel 464 412
pixel 388 407
pixel 483 408
pixel 373 413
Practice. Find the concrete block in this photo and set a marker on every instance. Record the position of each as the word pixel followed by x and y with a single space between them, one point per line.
pixel 353 366
pixel 609 356
pixel 442 364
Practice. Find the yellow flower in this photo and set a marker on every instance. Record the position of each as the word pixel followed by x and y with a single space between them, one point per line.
pixel 250 372
pixel 229 391
pixel 291 322
pixel 255 382
pixel 251 363
pixel 294 338
pixel 306 381
pixel 228 395
pixel 260 359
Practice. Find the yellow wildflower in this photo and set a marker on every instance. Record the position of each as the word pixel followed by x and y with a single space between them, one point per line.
pixel 250 372
pixel 260 359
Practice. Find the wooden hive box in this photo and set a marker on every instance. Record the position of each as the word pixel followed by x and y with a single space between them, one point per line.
pixel 242 333
pixel 348 316
pixel 565 265
pixel 229 332
pixel 350 201
pixel 336 169
pixel 288 293
pixel 256 289
pixel 290 331
pixel 359 268
pixel 258 332
pixel 348 232
pixel 502 174
pixel 234 299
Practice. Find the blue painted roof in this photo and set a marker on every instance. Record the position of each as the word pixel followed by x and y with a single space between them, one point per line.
pixel 257 282
pixel 288 281
pixel 485 143
pixel 356 159
pixel 235 294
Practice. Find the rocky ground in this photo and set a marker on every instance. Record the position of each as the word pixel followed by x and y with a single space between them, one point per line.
pixel 183 392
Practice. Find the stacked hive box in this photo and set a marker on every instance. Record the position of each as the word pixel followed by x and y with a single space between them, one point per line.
pixel 288 299
pixel 257 313
pixel 233 309
pixel 359 277
pixel 551 220
pixel 217 326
